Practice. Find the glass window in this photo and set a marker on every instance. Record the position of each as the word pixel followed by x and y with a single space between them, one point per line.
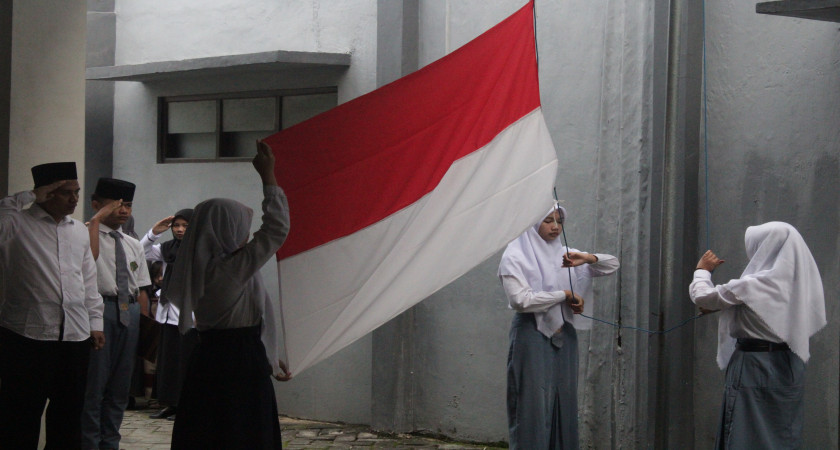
pixel 225 127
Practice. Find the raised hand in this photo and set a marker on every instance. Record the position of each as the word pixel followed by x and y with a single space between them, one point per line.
pixel 45 192
pixel 264 164
pixel 163 225
pixel 709 261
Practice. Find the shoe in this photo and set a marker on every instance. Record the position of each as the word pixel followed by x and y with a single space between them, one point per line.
pixel 163 413
pixel 172 418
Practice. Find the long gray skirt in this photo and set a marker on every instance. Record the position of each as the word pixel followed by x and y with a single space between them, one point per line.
pixel 763 401
pixel 542 387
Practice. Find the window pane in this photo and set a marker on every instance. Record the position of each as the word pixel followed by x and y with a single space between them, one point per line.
pixel 249 114
pixel 192 117
pixel 191 145
pixel 241 144
pixel 297 108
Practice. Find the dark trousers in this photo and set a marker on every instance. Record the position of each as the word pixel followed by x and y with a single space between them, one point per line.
pixel 33 371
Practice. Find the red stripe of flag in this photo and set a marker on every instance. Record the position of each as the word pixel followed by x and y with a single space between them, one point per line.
pixel 371 157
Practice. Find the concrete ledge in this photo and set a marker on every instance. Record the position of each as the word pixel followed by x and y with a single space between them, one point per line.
pixel 826 10
pixel 279 60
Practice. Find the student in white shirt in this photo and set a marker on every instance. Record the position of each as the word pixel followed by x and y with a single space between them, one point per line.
pixel 121 272
pixel 174 348
pixel 51 311
pixel 536 271
pixel 227 400
pixel 767 317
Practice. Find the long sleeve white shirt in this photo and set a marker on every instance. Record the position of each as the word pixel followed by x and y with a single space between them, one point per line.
pixel 167 312
pixel 523 298
pixel 49 275
pixel 746 323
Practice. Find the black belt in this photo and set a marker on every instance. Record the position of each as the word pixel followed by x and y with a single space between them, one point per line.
pixel 760 345
pixel 115 299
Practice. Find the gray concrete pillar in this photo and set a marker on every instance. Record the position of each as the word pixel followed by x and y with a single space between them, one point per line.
pixel 393 384
pixel 99 96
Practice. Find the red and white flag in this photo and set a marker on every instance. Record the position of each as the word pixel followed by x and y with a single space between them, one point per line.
pixel 397 193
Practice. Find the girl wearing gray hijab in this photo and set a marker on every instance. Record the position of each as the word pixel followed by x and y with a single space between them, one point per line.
pixel 543 361
pixel 767 317
pixel 227 399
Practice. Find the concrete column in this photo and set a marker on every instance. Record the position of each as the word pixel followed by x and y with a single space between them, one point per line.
pixel 393 384
pixel 46 101
pixel 5 91
pixel 672 382
pixel 99 96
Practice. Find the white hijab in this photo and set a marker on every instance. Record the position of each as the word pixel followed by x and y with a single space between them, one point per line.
pixel 538 263
pixel 781 284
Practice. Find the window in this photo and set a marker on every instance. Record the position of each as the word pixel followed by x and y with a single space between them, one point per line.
pixel 224 127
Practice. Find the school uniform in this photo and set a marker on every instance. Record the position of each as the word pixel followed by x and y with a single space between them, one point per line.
pixel 50 305
pixel 542 364
pixel 227 400
pixel 110 369
pixel 767 318
pixel 174 348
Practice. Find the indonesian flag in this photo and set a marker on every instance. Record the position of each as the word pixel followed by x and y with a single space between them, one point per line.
pixel 397 193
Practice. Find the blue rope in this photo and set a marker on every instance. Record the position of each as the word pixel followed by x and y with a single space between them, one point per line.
pixel 651 332
pixel 706 183
pixel 706 134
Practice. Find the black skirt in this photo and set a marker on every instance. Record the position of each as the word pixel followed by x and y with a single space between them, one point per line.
pixel 227 399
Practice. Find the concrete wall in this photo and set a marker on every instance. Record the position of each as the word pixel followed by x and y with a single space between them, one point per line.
pixel 621 91
pixel 338 389
pixel 774 154
pixel 46 99
pixel 99 96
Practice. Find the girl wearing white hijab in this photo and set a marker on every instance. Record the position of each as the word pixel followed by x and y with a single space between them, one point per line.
pixel 227 399
pixel 543 359
pixel 767 317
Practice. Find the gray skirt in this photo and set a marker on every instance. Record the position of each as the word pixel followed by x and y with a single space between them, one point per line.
pixel 762 401
pixel 542 387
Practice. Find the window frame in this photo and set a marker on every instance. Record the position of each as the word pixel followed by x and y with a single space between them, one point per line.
pixel 163 118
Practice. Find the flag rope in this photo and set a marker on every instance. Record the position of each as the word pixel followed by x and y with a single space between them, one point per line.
pixel 705 180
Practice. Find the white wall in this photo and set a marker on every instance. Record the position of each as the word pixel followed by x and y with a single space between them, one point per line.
pixel 47 105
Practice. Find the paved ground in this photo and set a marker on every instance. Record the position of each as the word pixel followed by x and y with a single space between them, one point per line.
pixel 140 432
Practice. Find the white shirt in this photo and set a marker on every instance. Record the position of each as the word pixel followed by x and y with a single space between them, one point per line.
pixel 106 264
pixel 523 298
pixel 48 274
pixel 746 323
pixel 166 312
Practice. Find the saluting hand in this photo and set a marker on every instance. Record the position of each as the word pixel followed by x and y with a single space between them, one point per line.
pixel 105 211
pixel 163 225
pixel 45 192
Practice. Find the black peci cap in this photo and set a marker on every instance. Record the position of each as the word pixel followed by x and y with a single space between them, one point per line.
pixel 45 174
pixel 115 189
